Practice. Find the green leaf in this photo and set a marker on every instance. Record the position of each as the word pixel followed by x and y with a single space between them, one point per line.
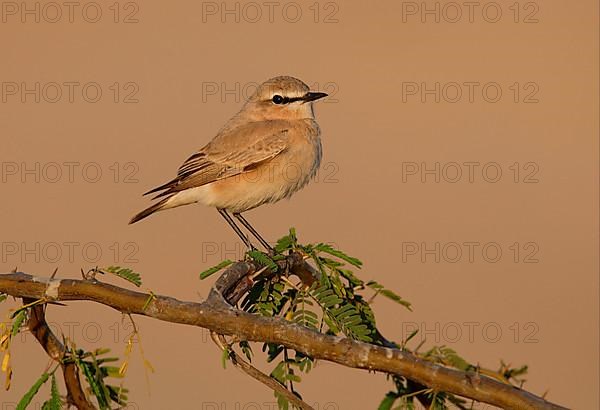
pixel 287 242
pixel 333 327
pixel 344 311
pixel 278 373
pixel 350 277
pixel 215 269
pixel 263 259
pixel 112 371
pixel 224 357
pixel 323 247
pixel 18 321
pixel 125 273
pixel 273 350
pixel 118 394
pixel 380 289
pixel 447 356
pixel 330 300
pixel 26 399
pixel 512 373
pixel 324 277
pixel 246 349
pixel 305 318
pixel 305 363
pixel 97 388
pixel 455 360
pixel 388 401
pixel 282 401
pixel 54 402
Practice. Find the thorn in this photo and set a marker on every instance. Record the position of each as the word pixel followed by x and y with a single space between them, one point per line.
pixel 54 273
pixel 474 379
pixel 90 275
pixel 215 338
pixel 14 270
pixel 257 273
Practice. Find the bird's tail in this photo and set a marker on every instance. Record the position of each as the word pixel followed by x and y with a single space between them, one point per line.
pixel 160 205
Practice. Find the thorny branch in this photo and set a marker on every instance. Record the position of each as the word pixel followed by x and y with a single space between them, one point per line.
pixel 38 326
pixel 257 374
pixel 219 316
pixel 234 283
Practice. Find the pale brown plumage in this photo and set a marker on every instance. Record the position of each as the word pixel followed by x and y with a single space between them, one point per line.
pixel 222 158
pixel 248 163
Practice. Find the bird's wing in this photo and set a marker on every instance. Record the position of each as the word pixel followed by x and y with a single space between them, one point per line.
pixel 229 154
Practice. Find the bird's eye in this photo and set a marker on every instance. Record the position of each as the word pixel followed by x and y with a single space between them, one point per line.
pixel 278 99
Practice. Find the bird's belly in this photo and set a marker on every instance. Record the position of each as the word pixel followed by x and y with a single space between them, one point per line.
pixel 269 182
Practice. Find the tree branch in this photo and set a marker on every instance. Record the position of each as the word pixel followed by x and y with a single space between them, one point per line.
pixel 56 350
pixel 257 374
pixel 219 316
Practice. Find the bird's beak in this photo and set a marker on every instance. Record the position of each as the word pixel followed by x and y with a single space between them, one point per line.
pixel 310 96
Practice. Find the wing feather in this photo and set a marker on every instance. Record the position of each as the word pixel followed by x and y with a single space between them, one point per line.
pixel 229 154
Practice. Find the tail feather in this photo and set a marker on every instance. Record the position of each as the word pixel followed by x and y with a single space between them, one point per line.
pixel 163 186
pixel 149 211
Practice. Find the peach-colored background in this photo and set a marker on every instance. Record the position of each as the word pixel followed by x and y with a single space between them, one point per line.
pixel 547 312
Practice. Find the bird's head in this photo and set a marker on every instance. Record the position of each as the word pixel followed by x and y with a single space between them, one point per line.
pixel 282 98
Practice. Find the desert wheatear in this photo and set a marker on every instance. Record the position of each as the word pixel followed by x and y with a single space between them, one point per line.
pixel 266 152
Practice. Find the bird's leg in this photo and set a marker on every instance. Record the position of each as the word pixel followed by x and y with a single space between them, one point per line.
pixel 236 228
pixel 254 233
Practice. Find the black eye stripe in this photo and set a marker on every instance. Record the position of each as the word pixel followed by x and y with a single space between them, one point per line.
pixel 279 100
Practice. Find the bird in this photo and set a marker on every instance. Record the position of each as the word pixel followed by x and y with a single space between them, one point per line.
pixel 266 152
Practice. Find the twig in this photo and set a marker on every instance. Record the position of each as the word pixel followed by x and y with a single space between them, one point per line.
pixel 56 350
pixel 258 375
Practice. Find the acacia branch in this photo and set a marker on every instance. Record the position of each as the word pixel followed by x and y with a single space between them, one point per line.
pixel 38 326
pixel 217 315
pixel 258 375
